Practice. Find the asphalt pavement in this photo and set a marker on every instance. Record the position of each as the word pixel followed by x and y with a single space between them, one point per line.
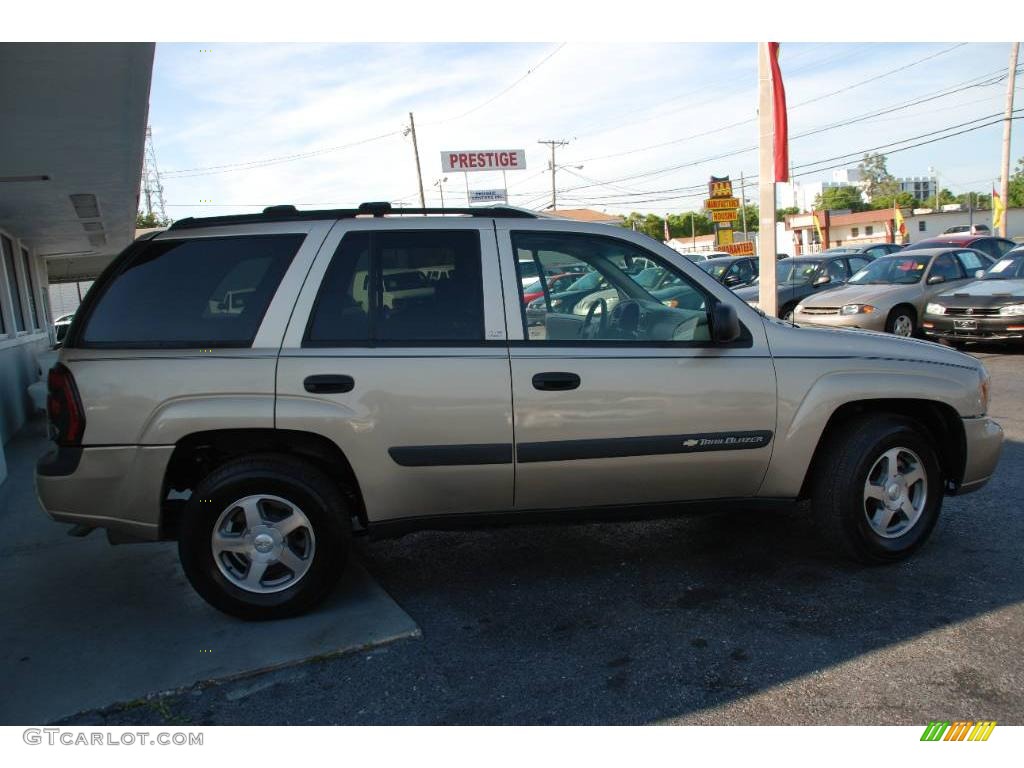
pixel 711 619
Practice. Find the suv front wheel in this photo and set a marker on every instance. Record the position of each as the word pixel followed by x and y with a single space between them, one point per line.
pixel 265 537
pixel 878 488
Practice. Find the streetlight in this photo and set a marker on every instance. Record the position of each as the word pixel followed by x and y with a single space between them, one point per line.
pixel 440 185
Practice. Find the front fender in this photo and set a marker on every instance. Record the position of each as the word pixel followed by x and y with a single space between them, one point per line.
pixel 804 413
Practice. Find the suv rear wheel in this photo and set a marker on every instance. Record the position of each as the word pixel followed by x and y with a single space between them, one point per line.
pixel 265 537
pixel 878 488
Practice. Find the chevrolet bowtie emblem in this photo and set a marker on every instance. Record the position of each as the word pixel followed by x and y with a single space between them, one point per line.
pixel 970 311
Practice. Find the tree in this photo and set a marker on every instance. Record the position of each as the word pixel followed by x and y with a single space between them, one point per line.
pixel 980 200
pixel 782 213
pixel 901 199
pixel 150 221
pixel 839 198
pixel 945 198
pixel 753 218
pixel 878 181
pixel 679 225
pixel 1015 198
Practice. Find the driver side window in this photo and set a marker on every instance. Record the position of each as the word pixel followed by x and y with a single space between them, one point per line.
pixel 620 292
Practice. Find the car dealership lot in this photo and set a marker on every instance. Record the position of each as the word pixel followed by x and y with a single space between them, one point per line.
pixel 715 619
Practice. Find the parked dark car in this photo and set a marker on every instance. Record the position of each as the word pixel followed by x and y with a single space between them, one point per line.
pixel 731 271
pixel 992 246
pixel 802 276
pixel 989 309
pixel 874 250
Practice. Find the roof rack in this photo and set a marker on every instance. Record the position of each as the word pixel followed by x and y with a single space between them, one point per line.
pixel 291 213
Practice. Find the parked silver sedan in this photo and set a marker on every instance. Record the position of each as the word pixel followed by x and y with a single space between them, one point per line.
pixel 890 293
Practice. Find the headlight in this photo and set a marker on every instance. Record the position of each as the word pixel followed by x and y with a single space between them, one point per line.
pixel 1012 309
pixel 934 309
pixel 856 309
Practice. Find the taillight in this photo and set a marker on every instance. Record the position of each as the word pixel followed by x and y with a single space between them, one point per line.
pixel 64 406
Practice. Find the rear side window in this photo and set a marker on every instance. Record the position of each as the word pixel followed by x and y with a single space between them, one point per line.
pixel 400 287
pixel 970 261
pixel 210 292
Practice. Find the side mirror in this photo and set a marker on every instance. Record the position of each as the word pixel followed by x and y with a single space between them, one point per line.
pixel 725 323
pixel 936 279
pixel 979 273
pixel 823 280
pixel 731 280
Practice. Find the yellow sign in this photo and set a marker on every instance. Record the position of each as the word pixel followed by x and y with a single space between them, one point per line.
pixel 731 215
pixel 721 203
pixel 725 237
pixel 745 248
pixel 720 188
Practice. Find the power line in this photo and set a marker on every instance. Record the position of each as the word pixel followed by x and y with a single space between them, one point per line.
pixel 999 75
pixel 820 129
pixel 187 173
pixel 619 199
pixel 502 92
pixel 792 106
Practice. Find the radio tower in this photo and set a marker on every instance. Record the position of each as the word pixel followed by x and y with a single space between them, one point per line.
pixel 152 189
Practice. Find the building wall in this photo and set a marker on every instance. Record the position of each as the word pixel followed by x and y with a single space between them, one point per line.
pixel 936 223
pixel 19 348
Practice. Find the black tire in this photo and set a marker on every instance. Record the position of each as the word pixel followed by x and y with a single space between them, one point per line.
pixel 787 313
pixel 289 478
pixel 902 311
pixel 840 472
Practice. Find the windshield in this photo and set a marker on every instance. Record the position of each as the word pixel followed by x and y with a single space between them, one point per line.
pixel 790 271
pixel 1006 268
pixel 715 270
pixel 587 283
pixel 900 270
pixel 649 277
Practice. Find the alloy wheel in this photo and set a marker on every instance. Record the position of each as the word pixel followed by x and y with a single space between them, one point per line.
pixel 895 492
pixel 263 543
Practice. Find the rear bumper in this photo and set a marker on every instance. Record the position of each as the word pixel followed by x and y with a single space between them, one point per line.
pixel 986 328
pixel 984 444
pixel 119 488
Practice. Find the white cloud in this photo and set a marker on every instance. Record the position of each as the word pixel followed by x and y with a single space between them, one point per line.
pixel 243 103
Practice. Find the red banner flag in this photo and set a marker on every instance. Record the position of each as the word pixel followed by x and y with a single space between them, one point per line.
pixel 779 113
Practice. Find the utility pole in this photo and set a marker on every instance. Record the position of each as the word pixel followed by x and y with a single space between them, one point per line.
pixel 743 205
pixel 553 143
pixel 1004 177
pixel 440 185
pixel 768 298
pixel 416 151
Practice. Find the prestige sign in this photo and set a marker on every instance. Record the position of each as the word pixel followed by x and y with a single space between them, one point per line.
pixel 463 161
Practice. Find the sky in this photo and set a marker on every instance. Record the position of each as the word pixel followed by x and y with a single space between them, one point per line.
pixel 237 127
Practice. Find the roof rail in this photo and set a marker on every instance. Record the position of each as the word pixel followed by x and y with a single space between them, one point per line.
pixel 291 213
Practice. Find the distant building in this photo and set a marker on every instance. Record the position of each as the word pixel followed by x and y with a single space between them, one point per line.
pixel 586 214
pixel 921 187
pixel 845 228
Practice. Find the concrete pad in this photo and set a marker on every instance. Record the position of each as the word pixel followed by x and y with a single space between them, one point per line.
pixel 86 625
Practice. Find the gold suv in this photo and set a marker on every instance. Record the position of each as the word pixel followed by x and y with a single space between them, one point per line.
pixel 261 387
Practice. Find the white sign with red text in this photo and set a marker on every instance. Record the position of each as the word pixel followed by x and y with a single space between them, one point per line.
pixel 463 161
